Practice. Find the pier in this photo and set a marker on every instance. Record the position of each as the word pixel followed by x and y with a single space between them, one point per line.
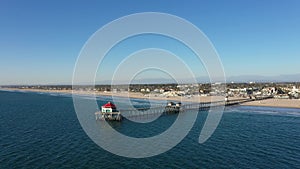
pixel 170 108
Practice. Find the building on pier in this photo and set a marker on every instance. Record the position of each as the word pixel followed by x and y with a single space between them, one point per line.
pixel 109 112
pixel 173 107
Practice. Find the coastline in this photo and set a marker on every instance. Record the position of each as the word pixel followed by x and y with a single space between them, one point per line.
pixel 282 103
pixel 136 95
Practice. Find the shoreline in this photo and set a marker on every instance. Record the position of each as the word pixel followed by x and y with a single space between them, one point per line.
pixel 135 95
pixel 279 103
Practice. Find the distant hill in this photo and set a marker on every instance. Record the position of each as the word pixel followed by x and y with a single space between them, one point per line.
pixel 257 78
pixel 205 79
pixel 202 79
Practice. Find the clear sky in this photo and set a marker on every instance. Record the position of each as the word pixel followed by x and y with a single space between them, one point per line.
pixel 40 40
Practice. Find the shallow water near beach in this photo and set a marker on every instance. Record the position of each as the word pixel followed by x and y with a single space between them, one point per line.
pixel 42 131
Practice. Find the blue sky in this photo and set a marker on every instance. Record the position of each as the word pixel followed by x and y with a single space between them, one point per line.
pixel 40 40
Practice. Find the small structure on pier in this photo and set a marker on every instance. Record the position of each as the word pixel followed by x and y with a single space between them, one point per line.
pixel 173 107
pixel 109 112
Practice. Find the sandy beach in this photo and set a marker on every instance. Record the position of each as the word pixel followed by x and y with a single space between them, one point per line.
pixel 285 103
pixel 128 94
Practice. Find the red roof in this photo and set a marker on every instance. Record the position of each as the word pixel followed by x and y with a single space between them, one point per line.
pixel 109 105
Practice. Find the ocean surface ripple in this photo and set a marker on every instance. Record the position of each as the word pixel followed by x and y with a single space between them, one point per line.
pixel 42 131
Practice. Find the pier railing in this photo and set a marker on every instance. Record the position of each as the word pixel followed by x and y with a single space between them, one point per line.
pixel 159 110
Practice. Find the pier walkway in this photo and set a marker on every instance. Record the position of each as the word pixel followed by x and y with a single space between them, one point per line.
pixel 163 109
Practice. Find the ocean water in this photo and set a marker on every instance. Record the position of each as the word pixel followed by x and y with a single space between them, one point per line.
pixel 40 130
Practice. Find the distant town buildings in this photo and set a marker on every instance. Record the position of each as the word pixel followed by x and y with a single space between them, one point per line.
pixel 278 90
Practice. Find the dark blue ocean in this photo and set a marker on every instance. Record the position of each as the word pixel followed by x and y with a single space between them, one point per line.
pixel 42 131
